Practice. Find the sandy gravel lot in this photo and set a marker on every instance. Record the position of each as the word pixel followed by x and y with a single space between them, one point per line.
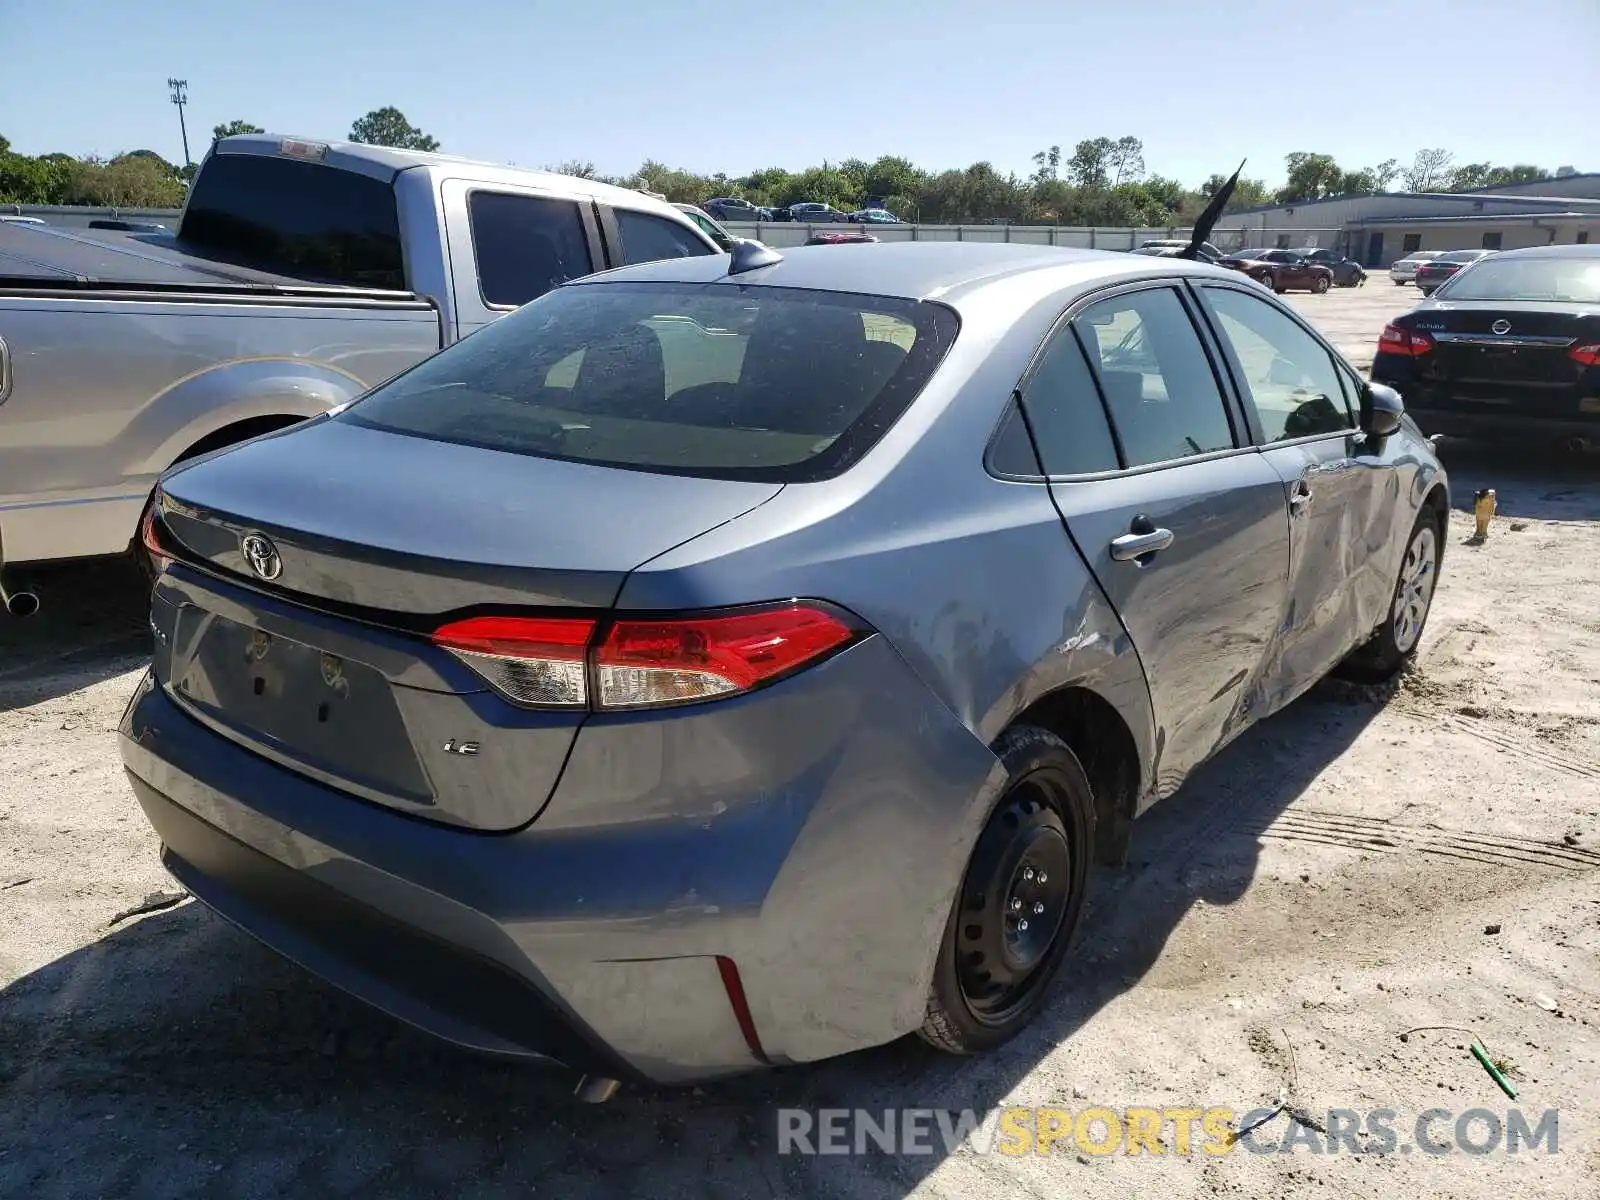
pixel 1328 883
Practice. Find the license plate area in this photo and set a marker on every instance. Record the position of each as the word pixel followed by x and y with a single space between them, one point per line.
pixel 330 714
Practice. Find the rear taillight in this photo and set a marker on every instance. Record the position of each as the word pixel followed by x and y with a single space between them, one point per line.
pixel 1394 340
pixel 150 535
pixel 549 662
pixel 1588 354
pixel 530 660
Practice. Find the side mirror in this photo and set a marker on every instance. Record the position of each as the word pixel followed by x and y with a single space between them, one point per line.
pixel 1380 415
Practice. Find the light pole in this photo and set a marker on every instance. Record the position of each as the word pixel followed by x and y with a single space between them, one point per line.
pixel 180 97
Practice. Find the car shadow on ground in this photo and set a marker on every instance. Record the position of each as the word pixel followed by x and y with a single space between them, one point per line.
pixel 173 1055
pixel 1537 482
pixel 93 623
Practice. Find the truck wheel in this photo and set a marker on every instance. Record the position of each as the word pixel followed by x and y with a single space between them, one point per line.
pixel 1395 642
pixel 1020 902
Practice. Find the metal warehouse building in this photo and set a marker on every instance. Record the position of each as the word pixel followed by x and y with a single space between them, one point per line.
pixel 1376 230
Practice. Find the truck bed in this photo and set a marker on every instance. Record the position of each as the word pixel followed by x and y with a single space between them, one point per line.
pixel 35 258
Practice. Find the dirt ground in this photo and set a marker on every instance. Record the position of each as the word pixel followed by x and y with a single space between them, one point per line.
pixel 1362 864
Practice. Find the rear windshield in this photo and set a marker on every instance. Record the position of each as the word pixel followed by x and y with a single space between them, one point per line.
pixel 1460 256
pixel 1568 280
pixel 302 219
pixel 720 380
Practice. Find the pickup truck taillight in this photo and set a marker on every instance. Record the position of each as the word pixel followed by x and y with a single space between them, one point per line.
pixel 562 662
pixel 1394 340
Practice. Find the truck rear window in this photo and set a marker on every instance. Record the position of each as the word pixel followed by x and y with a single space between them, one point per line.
pixel 723 380
pixel 302 219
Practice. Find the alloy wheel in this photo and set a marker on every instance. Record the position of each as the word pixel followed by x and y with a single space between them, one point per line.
pixel 1414 592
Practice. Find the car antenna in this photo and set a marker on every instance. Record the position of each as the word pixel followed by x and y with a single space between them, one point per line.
pixel 747 255
pixel 1207 220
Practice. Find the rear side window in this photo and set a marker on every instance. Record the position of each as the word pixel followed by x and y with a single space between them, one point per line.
pixel 1158 383
pixel 732 382
pixel 291 217
pixel 1064 409
pixel 525 245
pixel 647 238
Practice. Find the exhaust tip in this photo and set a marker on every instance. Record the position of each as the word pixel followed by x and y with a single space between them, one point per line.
pixel 22 604
pixel 1579 445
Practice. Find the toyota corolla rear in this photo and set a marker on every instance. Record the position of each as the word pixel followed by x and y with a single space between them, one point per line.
pixel 398 727
pixel 1511 345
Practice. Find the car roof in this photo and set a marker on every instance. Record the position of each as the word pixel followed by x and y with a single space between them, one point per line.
pixel 948 271
pixel 1569 251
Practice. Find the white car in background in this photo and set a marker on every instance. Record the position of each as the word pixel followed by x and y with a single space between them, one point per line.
pixel 1404 271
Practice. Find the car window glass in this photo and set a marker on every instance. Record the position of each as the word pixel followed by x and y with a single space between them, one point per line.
pixel 525 245
pixel 647 238
pixel 1063 406
pixel 1012 452
pixel 1157 381
pixel 1289 377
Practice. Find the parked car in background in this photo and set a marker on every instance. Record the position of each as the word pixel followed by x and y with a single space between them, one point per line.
pixel 1280 270
pixel 813 213
pixel 1435 271
pixel 1507 348
pixel 301 274
pixel 838 239
pixel 875 216
pixel 1404 270
pixel 1207 251
pixel 734 208
pixel 708 225
pixel 612 713
pixel 1175 251
pixel 1347 272
pixel 17 219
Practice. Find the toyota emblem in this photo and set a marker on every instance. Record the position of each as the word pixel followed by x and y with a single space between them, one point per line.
pixel 1501 326
pixel 262 556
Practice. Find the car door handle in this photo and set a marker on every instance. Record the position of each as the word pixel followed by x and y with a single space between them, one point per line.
pixel 1136 545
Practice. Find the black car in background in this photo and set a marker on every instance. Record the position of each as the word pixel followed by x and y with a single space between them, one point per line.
pixel 1347 272
pixel 1433 273
pixel 1508 347
pixel 812 213
pixel 734 208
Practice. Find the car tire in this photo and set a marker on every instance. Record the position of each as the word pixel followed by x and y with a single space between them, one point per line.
pixel 1020 901
pixel 1394 643
pixel 1319 284
pixel 1399 283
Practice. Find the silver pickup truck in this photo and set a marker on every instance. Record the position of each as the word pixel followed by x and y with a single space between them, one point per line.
pixel 301 274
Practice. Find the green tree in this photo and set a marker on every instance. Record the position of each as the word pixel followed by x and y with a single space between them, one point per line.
pixel 389 127
pixel 1126 161
pixel 1429 170
pixel 1090 164
pixel 1384 174
pixel 233 128
pixel 1247 193
pixel 1309 177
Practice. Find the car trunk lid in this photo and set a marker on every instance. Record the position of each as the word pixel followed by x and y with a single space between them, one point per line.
pixel 1489 353
pixel 377 539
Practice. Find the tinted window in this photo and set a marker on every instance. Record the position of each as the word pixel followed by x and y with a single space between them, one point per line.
pixel 292 217
pixel 1156 378
pixel 1012 451
pixel 1461 256
pixel 741 383
pixel 646 238
pixel 525 245
pixel 1069 422
pixel 1289 377
pixel 1562 280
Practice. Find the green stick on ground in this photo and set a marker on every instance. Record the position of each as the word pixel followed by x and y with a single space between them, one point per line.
pixel 1482 1056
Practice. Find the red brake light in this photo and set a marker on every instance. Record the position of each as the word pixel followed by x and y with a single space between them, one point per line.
pixel 545 661
pixel 150 535
pixel 529 660
pixel 1587 354
pixel 647 663
pixel 1394 340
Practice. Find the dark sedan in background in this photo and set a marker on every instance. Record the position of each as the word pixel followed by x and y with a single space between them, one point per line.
pixel 812 213
pixel 1432 274
pixel 734 208
pixel 1508 347
pixel 1347 272
pixel 1280 270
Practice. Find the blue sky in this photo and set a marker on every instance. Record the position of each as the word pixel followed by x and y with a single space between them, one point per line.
pixel 734 86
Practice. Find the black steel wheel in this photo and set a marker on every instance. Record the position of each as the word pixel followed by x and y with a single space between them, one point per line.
pixel 1020 900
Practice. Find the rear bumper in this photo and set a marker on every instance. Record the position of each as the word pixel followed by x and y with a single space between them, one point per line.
pixel 1458 411
pixel 1452 423
pixel 595 936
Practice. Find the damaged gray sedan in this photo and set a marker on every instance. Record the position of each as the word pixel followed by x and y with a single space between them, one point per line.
pixel 740 660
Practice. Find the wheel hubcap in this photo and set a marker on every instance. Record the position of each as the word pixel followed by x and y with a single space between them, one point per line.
pixel 1415 590
pixel 1014 902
